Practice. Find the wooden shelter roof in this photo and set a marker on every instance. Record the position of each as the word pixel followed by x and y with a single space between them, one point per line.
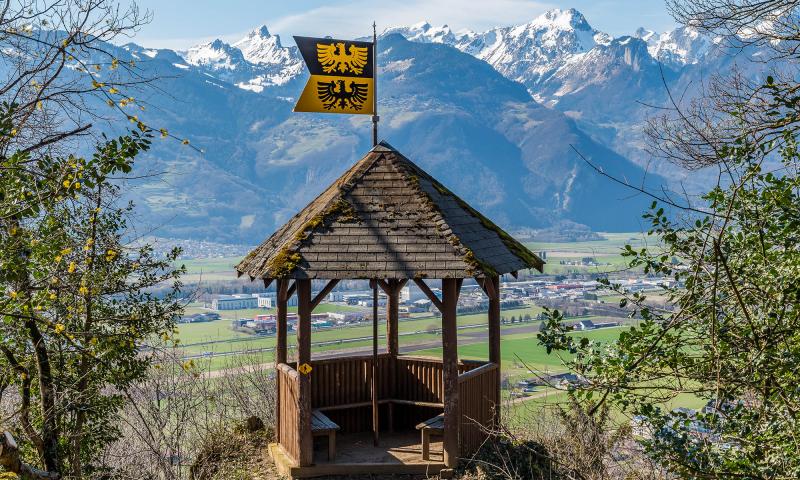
pixel 387 218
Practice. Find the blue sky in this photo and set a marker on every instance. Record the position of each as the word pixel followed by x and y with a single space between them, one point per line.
pixel 181 23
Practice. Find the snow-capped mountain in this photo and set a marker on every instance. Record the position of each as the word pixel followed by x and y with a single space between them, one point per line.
pixel 495 114
pixel 525 53
pixel 606 84
pixel 676 48
pixel 215 56
pixel 255 62
pixel 424 32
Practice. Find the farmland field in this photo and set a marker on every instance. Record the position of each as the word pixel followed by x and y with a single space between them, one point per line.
pixel 197 338
pixel 605 252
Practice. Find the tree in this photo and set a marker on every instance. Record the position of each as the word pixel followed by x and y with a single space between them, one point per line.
pixel 75 304
pixel 733 336
pixel 75 299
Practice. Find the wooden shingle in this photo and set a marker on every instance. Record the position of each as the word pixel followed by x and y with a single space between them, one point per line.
pixel 387 218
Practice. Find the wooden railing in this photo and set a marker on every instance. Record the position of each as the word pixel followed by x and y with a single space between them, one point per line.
pixel 410 390
pixel 342 388
pixel 341 381
pixel 477 398
pixel 420 378
pixel 289 404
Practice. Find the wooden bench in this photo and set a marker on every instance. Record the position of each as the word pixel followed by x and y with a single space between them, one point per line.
pixel 432 426
pixel 322 425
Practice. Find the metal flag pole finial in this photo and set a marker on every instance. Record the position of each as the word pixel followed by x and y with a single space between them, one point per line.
pixel 375 116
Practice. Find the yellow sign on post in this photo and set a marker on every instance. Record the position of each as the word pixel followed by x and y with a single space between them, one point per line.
pixel 305 369
pixel 342 76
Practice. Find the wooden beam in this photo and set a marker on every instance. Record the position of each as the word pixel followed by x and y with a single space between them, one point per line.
pixel 494 337
pixel 304 357
pixel 291 290
pixel 452 418
pixel 486 285
pixel 476 371
pixel 515 274
pixel 384 285
pixel 267 282
pixel 324 293
pixel 428 293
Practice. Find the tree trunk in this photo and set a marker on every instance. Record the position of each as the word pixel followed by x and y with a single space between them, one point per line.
pixel 10 460
pixel 47 399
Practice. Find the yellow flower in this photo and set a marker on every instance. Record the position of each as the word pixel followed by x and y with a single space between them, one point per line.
pixel 59 327
pixel 12 294
pixel 83 290
pixel 72 267
pixel 52 296
pixel 58 258
pixel 77 185
pixel 67 183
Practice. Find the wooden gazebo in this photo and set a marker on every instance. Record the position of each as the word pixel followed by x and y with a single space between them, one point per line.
pixel 387 221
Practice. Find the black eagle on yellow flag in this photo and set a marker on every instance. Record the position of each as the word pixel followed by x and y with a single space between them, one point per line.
pixel 342 76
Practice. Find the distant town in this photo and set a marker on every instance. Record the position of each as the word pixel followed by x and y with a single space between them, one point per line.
pixel 576 298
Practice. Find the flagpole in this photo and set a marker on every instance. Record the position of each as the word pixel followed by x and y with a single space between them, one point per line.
pixel 375 116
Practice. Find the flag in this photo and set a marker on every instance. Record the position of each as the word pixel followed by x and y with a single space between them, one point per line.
pixel 342 76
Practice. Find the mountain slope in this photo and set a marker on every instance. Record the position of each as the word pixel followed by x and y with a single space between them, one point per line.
pixel 480 133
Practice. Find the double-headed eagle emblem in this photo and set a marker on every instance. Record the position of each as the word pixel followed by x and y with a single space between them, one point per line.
pixel 333 58
pixel 337 94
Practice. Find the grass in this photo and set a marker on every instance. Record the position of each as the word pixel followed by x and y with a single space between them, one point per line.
pixel 606 252
pixel 522 352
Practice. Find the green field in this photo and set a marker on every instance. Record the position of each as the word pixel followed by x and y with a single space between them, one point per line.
pixel 196 336
pixel 521 353
pixel 605 252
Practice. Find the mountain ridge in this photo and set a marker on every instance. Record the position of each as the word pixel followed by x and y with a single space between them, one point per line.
pixel 497 115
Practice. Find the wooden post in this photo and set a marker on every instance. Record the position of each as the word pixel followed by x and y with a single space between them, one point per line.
pixel 281 287
pixel 494 338
pixel 374 371
pixel 392 317
pixel 282 299
pixel 450 371
pixel 304 357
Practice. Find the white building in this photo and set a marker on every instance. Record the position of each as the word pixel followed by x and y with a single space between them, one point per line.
pixel 336 297
pixel 270 300
pixel 265 301
pixel 234 302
